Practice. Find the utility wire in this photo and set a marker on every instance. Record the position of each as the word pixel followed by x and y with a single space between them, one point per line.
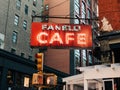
pixel 64 17
pixel 55 6
pixel 58 4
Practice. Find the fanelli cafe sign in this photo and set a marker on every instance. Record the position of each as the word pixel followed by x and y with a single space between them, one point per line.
pixel 60 35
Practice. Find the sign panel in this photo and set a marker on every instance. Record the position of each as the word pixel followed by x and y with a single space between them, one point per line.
pixel 60 35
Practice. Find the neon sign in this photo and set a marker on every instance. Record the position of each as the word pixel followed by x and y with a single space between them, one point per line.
pixel 60 35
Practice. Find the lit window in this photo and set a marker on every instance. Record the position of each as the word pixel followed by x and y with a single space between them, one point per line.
pixel 34 2
pixel 16 20
pixel 26 9
pixel 10 77
pixel 18 4
pixel 14 37
pixel 24 24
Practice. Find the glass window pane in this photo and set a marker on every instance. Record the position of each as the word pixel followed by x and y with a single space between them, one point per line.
pixel 34 2
pixel 26 9
pixel 16 20
pixel 24 24
pixel 84 57
pixel 18 4
pixel 83 13
pixel 14 37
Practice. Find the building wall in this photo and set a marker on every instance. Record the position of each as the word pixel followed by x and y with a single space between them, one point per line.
pixel 59 8
pixel 65 59
pixel 110 9
pixel 58 58
pixel 7 17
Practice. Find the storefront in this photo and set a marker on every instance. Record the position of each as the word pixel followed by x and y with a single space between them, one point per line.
pixel 16 72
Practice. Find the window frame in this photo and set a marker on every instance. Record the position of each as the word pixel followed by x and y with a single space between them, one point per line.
pixel 26 9
pixel 14 37
pixel 16 20
pixel 35 3
pixel 18 4
pixel 25 25
pixel 83 12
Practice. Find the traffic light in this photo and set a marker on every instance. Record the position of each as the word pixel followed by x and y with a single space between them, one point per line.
pixel 50 79
pixel 39 61
pixel 37 79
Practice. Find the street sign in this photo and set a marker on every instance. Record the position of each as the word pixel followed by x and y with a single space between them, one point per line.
pixel 61 35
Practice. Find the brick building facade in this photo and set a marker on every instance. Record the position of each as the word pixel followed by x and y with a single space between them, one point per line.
pixel 110 9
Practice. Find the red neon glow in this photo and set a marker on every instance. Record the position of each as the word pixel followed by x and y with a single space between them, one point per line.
pixel 49 34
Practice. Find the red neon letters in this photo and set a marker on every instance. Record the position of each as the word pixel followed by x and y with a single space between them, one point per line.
pixel 60 35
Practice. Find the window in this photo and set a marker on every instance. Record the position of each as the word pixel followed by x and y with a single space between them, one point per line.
pixel 2 38
pixel 77 6
pixel 14 37
pixel 83 13
pixel 16 20
pixel 77 11
pixel 90 59
pixel 84 57
pixel 34 2
pixel 18 4
pixel 26 9
pixel 33 13
pixel 89 2
pixel 77 57
pixel 46 7
pixel 10 78
pixel 89 16
pixel 24 24
pixel 19 79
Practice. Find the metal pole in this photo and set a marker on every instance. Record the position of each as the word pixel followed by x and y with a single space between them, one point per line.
pixel 113 59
